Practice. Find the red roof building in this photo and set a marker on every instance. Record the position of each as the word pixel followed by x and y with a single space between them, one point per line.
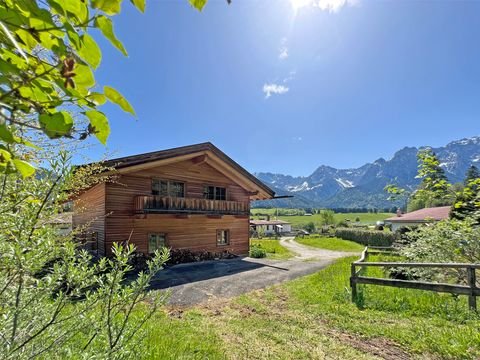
pixel 421 216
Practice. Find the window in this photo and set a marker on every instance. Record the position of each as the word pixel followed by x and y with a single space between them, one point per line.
pixel 168 188
pixel 156 242
pixel 215 193
pixel 223 237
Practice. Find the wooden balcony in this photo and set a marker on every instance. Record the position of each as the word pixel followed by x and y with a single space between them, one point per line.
pixel 161 205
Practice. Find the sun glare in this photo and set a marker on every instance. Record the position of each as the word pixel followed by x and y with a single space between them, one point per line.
pixel 298 4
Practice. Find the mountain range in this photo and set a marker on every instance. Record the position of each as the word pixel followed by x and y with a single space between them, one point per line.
pixel 363 187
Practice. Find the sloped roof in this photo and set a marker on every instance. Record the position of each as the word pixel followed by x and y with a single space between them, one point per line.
pixel 268 222
pixel 435 213
pixel 202 149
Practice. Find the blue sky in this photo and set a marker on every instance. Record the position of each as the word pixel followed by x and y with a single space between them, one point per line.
pixel 285 89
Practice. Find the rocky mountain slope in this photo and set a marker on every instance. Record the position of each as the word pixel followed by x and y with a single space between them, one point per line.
pixel 363 187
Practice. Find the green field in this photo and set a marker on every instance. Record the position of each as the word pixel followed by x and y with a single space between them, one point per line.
pixel 273 248
pixel 313 318
pixel 299 221
pixel 330 243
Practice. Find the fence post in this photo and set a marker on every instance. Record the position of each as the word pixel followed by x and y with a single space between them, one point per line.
pixel 471 278
pixel 353 283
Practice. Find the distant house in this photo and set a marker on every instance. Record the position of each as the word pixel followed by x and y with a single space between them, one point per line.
pixel 193 197
pixel 418 217
pixel 271 227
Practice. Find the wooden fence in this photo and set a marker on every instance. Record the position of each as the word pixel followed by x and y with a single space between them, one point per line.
pixel 471 289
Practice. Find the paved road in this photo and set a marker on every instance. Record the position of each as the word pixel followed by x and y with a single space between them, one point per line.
pixel 199 282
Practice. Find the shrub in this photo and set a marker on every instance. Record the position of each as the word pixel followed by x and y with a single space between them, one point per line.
pixel 310 227
pixel 256 251
pixel 367 237
pixel 342 223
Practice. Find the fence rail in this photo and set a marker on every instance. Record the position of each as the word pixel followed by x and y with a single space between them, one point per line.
pixel 471 289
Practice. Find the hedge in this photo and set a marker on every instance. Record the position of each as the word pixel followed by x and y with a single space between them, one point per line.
pixel 367 237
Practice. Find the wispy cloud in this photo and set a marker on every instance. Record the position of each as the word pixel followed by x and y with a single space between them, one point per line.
pixel 297 138
pixel 283 50
pixel 331 6
pixel 334 5
pixel 274 89
pixel 290 77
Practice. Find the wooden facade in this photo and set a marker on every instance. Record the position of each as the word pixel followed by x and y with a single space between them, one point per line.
pixel 127 210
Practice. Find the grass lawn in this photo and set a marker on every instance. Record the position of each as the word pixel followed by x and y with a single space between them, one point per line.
pixel 299 221
pixel 273 248
pixel 329 243
pixel 313 317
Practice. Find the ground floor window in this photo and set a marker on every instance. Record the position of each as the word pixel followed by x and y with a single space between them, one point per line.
pixel 223 237
pixel 156 242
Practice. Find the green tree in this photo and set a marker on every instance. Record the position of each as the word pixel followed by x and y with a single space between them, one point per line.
pixel 47 62
pixel 310 227
pixel 434 190
pixel 445 241
pixel 56 301
pixel 467 202
pixel 472 174
pixel 327 217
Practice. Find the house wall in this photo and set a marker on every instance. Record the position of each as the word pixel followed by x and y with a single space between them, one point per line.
pixel 271 229
pixel 89 211
pixel 196 232
pixel 397 225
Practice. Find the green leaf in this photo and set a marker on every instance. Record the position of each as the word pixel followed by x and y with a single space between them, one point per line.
pixel 198 4
pixel 56 125
pixel 83 79
pixel 98 125
pixel 6 135
pixel 106 27
pixel 115 97
pixel 24 168
pixel 97 98
pixel 5 155
pixel 139 4
pixel 90 51
pixel 109 7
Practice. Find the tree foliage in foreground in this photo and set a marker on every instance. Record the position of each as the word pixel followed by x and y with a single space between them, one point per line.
pixel 56 301
pixel 47 63
pixel 446 241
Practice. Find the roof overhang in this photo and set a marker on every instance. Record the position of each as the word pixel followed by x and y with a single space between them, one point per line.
pixel 198 154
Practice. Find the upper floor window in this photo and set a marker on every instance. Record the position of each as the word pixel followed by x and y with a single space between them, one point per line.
pixel 168 188
pixel 215 193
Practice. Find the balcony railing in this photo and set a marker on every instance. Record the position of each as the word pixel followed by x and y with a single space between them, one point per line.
pixel 159 204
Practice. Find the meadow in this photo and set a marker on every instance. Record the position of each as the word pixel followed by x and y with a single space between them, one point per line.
pixel 298 221
pixel 313 317
pixel 273 248
pixel 330 243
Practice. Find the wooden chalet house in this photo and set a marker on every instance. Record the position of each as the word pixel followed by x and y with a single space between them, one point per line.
pixel 193 197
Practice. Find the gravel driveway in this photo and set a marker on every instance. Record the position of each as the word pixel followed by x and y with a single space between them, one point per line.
pixel 199 282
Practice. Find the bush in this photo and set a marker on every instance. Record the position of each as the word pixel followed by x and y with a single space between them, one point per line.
pixel 310 227
pixel 256 251
pixel 367 237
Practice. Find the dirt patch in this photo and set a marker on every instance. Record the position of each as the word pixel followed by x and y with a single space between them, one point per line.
pixel 380 347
